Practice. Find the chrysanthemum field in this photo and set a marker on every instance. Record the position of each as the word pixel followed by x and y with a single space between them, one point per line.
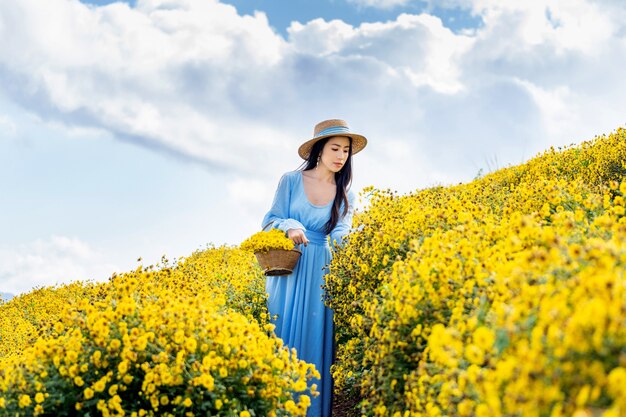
pixel 505 296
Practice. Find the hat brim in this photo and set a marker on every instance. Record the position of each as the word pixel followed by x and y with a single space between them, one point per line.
pixel 358 143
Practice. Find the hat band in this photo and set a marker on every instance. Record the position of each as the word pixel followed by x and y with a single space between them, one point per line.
pixel 333 130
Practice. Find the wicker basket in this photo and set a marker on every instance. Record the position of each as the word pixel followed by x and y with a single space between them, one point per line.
pixel 278 261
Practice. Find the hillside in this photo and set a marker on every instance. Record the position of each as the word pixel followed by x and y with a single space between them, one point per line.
pixel 505 296
pixel 502 297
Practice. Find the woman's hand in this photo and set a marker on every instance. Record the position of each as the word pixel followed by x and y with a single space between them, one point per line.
pixel 298 236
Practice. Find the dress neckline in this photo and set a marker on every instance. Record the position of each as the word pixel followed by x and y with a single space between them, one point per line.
pixel 306 197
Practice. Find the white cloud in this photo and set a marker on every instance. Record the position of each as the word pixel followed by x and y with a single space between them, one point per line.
pixel 564 54
pixel 380 4
pixel 7 126
pixel 194 78
pixel 250 199
pixel 557 107
pixel 51 261
pixel 319 37
pixel 564 25
pixel 247 192
pixel 418 49
pixel 169 74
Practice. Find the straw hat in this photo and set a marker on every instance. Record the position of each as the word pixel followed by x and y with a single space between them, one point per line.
pixel 328 128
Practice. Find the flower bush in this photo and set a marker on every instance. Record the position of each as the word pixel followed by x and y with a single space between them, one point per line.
pixel 190 338
pixel 264 241
pixel 501 297
pixel 227 272
pixel 27 317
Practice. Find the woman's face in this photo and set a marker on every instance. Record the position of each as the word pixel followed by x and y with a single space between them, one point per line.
pixel 335 153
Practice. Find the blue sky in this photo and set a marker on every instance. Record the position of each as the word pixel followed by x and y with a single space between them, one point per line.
pixel 156 127
pixel 281 13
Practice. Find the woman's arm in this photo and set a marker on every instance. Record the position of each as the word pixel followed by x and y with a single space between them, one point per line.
pixel 279 212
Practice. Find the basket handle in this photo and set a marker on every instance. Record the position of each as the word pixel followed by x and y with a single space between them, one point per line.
pixel 263 228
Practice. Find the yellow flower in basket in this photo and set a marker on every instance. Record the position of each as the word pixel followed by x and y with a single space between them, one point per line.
pixel 275 252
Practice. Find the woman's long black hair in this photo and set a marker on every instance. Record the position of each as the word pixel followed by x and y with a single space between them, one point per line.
pixel 343 179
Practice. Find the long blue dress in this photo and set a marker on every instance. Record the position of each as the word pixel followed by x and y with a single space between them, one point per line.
pixel 304 322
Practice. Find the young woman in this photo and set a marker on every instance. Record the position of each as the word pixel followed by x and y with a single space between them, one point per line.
pixel 312 206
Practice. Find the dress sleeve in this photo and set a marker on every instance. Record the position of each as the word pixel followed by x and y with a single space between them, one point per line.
pixel 343 227
pixel 279 212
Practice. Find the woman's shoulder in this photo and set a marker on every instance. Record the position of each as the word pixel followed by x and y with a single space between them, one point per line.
pixel 288 180
pixel 291 175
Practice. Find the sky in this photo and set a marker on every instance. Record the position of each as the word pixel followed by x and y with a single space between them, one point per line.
pixel 135 130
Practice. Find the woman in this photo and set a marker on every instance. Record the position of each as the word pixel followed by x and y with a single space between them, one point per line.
pixel 310 205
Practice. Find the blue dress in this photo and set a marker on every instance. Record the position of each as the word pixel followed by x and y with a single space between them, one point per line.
pixel 304 322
